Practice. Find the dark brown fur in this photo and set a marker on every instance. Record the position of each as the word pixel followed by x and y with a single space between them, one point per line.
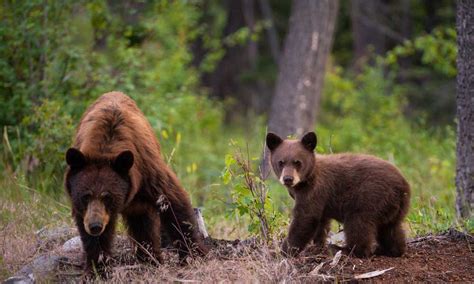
pixel 367 194
pixel 116 168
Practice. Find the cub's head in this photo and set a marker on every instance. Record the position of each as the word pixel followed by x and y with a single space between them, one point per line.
pixel 98 188
pixel 292 160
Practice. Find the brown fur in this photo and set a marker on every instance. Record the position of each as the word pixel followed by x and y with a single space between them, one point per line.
pixel 367 194
pixel 116 168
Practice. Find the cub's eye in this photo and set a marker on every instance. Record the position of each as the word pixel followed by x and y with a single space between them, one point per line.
pixel 297 163
pixel 281 163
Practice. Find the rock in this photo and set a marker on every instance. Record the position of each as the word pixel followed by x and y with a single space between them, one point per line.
pixel 47 238
pixel 20 280
pixel 337 239
pixel 73 244
pixel 200 222
pixel 42 268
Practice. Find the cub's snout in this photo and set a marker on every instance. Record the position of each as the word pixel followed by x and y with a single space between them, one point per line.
pixel 96 218
pixel 289 177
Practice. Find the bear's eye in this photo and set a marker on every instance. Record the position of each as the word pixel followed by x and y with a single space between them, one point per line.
pixel 297 163
pixel 281 163
pixel 85 198
pixel 107 198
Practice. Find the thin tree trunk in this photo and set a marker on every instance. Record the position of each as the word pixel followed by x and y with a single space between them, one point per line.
pixel 272 35
pixel 465 109
pixel 248 9
pixel 300 79
pixel 224 80
pixel 366 34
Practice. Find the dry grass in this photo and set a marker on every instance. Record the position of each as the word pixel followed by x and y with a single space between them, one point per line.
pixel 227 261
pixel 22 212
pixel 246 261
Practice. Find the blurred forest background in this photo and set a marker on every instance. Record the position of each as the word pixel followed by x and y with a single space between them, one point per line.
pixel 205 73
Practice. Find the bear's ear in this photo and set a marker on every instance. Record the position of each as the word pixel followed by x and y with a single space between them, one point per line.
pixel 75 159
pixel 273 141
pixel 123 162
pixel 309 141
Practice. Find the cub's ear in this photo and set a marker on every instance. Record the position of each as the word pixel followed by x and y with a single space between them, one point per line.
pixel 123 162
pixel 273 141
pixel 75 159
pixel 309 141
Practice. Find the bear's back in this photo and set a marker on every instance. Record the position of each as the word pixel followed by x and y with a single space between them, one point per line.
pixel 363 183
pixel 358 166
pixel 114 124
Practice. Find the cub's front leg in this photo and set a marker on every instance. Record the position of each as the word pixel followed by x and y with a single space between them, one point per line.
pixel 302 230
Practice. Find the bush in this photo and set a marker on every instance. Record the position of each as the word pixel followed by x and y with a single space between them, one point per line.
pixel 250 195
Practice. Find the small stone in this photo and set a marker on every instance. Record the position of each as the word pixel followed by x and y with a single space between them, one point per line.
pixel 73 244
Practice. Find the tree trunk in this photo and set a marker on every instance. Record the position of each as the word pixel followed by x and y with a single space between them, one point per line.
pixel 465 109
pixel 248 9
pixel 272 36
pixel 301 75
pixel 366 19
pixel 223 81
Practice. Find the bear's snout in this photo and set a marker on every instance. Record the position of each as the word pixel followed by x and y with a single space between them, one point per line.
pixel 96 218
pixel 95 228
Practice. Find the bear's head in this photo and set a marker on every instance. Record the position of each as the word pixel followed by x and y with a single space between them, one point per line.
pixel 98 187
pixel 293 161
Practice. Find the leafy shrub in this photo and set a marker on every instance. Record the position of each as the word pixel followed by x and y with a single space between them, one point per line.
pixel 250 194
pixel 438 50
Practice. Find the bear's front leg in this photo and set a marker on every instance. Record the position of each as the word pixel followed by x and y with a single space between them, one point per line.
pixel 302 230
pixel 94 246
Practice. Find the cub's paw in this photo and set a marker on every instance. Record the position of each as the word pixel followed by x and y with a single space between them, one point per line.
pixel 287 250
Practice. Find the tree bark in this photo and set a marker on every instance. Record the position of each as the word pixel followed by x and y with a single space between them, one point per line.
pixel 301 76
pixel 365 19
pixel 272 36
pixel 465 109
pixel 248 9
pixel 224 80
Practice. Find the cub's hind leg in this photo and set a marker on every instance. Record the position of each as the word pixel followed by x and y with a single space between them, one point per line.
pixel 391 240
pixel 319 238
pixel 360 235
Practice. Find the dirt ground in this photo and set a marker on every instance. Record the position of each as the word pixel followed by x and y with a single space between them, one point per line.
pixel 433 258
pixel 443 257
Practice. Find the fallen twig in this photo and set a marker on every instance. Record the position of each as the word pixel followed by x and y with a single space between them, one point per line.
pixel 372 273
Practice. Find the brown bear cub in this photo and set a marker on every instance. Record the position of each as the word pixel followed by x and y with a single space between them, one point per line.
pixel 368 195
pixel 115 167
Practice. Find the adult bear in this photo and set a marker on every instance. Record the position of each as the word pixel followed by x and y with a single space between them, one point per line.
pixel 115 167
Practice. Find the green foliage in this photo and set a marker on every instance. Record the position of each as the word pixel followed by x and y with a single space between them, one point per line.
pixel 55 130
pixel 33 57
pixel 40 155
pixel 250 195
pixel 438 50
